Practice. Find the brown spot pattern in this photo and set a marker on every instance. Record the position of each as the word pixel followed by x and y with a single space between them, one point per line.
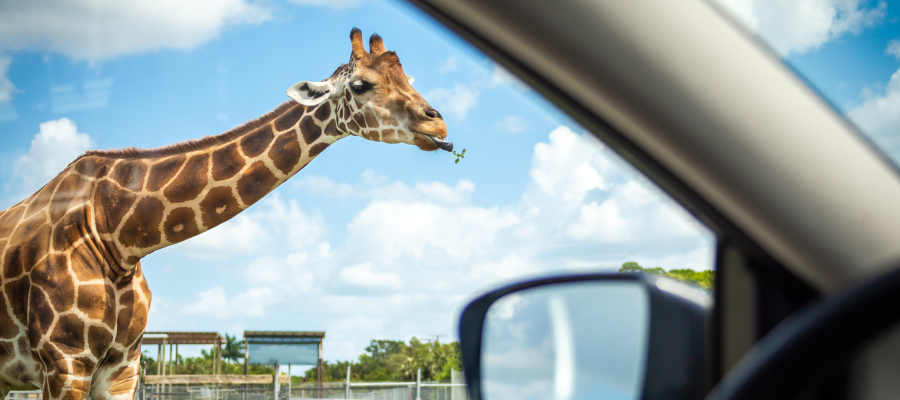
pixel 8 220
pixel 162 172
pixel 130 174
pixel 72 190
pixel 68 334
pixel 180 225
pixel 8 328
pixel 256 182
pixel 323 111
pixel 226 162
pixel 30 243
pixel 310 130
pixel 218 206
pixel 371 121
pixel 40 315
pixel 56 283
pixel 190 182
pixel 290 118
pixel 286 152
pixel 318 148
pixel 91 299
pixel 256 142
pixel 141 230
pixel 113 203
pixel 69 230
pixel 360 120
pixel 331 129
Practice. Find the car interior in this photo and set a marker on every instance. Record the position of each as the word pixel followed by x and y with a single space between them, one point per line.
pixel 802 204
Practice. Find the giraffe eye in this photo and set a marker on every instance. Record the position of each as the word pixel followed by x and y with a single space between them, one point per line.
pixel 360 87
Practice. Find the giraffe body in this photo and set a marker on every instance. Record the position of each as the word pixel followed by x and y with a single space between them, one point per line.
pixel 73 299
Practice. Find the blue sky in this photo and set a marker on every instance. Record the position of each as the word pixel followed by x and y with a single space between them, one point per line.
pixel 374 241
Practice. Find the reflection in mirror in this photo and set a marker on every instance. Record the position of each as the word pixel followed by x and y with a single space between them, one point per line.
pixel 568 341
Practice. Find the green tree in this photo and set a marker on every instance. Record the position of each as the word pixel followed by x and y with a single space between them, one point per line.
pixel 234 350
pixel 392 360
pixel 703 279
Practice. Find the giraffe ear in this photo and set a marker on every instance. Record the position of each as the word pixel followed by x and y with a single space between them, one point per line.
pixel 311 93
pixel 410 79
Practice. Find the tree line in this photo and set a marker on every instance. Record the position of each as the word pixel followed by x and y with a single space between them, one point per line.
pixel 383 360
pixel 704 279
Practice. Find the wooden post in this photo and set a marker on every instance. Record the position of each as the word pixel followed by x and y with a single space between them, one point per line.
pixel 162 361
pixel 320 374
pixel 246 357
pixel 218 356
pixel 246 365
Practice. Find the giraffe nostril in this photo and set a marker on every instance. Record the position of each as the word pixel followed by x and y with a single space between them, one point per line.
pixel 432 113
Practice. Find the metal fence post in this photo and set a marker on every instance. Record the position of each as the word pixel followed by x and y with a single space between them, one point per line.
pixel 419 384
pixel 275 378
pixel 347 394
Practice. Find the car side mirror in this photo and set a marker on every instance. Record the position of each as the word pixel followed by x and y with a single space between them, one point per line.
pixel 621 336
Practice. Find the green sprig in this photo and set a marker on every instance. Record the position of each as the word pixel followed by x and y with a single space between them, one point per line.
pixel 459 155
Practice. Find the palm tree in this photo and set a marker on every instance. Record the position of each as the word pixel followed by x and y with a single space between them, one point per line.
pixel 234 350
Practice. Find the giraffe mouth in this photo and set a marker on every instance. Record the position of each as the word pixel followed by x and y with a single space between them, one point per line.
pixel 443 145
pixel 435 142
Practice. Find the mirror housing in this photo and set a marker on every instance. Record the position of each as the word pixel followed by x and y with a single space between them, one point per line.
pixel 675 367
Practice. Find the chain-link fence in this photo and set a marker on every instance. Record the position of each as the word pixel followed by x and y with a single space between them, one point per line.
pixel 330 390
pixel 24 395
pixel 453 390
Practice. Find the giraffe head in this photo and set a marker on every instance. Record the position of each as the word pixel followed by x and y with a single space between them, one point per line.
pixel 373 98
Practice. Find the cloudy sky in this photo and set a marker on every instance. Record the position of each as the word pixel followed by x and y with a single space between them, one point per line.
pixel 376 241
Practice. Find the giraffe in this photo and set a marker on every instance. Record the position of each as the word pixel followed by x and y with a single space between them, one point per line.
pixel 73 300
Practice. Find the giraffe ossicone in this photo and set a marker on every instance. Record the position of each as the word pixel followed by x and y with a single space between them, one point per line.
pixel 73 299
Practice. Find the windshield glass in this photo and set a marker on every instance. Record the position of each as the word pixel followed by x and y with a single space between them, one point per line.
pixel 379 241
pixel 849 50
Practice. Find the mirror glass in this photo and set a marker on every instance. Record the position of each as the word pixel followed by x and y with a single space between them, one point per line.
pixel 567 341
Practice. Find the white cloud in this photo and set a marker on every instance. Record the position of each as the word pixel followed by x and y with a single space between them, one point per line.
pixel 363 275
pixel 564 168
pixel 803 25
pixel 456 102
pixel 501 76
pixel 56 145
pixel 214 303
pixel 893 48
pixel 336 4
pixel 6 86
pixel 451 64
pixel 270 221
pixel 374 186
pixel 103 29
pixel 879 116
pixel 511 124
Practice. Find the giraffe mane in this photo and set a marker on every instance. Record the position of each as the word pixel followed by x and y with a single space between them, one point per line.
pixel 191 144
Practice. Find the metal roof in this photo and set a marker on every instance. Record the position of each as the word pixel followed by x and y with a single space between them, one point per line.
pixel 285 334
pixel 182 338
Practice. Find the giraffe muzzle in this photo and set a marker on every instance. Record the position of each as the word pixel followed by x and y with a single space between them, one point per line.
pixel 446 146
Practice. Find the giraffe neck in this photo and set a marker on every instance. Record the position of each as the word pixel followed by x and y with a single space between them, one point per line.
pixel 145 200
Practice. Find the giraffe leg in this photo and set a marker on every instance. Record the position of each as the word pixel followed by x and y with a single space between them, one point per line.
pixel 3 394
pixel 117 376
pixel 67 379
